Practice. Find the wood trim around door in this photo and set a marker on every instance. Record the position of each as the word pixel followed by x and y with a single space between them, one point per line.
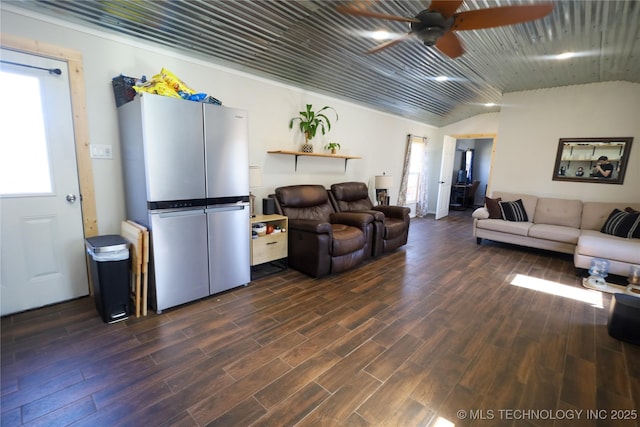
pixel 80 122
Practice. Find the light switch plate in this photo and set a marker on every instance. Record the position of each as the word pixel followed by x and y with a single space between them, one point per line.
pixel 101 151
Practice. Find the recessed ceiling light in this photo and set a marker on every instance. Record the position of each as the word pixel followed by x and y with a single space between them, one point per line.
pixel 442 78
pixel 490 104
pixel 566 55
pixel 381 35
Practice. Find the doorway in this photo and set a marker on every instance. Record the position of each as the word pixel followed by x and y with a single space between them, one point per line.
pixel 483 164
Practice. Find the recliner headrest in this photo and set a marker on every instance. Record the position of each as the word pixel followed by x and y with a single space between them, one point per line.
pixel 350 191
pixel 302 196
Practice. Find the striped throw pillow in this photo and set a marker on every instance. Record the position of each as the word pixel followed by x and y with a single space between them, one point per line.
pixel 513 211
pixel 622 224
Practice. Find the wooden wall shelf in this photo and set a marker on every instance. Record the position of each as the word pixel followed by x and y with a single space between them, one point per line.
pixel 300 153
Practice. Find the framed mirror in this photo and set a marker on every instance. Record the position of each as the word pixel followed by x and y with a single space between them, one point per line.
pixel 600 160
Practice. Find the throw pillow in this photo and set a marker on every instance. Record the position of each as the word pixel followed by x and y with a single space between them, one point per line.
pixel 493 207
pixel 513 211
pixel 622 224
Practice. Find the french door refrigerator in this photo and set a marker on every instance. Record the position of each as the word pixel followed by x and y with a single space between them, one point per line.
pixel 186 178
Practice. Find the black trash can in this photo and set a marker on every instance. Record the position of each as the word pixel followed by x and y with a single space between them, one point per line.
pixel 110 275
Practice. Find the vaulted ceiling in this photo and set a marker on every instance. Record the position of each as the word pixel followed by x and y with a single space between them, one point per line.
pixel 310 45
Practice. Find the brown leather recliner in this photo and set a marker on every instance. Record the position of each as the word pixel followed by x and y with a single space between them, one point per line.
pixel 322 241
pixel 391 228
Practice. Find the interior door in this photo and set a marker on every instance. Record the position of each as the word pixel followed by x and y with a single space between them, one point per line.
pixel 446 172
pixel 41 238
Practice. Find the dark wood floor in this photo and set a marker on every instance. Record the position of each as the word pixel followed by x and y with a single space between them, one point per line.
pixel 434 332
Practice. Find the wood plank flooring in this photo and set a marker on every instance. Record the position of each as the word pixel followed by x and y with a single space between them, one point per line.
pixel 434 334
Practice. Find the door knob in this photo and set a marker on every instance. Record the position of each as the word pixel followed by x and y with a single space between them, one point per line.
pixel 71 198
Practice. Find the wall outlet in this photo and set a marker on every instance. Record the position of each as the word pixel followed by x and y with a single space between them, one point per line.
pixel 101 151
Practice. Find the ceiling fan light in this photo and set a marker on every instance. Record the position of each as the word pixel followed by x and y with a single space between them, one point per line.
pixel 381 35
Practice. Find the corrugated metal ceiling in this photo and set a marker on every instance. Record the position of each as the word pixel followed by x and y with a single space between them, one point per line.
pixel 310 45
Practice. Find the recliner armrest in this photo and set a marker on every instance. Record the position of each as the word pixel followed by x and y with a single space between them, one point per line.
pixel 355 219
pixel 393 211
pixel 377 215
pixel 480 213
pixel 311 226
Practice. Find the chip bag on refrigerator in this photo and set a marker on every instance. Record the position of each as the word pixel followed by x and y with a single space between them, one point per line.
pixel 174 82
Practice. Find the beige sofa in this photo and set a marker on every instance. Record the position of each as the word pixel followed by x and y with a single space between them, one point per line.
pixel 562 225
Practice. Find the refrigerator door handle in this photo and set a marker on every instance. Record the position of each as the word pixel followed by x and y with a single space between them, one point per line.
pixel 169 214
pixel 225 208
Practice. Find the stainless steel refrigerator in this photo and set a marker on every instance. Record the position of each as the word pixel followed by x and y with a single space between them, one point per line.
pixel 186 176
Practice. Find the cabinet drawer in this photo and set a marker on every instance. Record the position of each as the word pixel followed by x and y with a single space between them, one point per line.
pixel 268 248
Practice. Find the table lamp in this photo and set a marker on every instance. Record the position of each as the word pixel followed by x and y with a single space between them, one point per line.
pixel 383 183
pixel 255 180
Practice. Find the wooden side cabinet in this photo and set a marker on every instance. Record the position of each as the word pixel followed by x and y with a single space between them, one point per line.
pixel 269 247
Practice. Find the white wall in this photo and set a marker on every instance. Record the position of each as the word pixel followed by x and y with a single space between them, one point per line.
pixel 379 138
pixel 530 125
pixel 532 122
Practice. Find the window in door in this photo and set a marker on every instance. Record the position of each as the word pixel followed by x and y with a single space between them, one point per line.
pixel 24 155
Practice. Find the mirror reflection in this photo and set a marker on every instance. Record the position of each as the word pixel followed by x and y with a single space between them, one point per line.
pixel 592 159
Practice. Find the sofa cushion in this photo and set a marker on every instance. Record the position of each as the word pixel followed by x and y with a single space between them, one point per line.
pixel 554 211
pixel 513 211
pixel 493 207
pixel 556 233
pixel 622 224
pixel 511 227
pixel 599 245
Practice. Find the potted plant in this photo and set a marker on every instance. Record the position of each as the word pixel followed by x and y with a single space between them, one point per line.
pixel 333 146
pixel 310 121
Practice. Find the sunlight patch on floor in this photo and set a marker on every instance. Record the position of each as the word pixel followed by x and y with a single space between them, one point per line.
pixel 554 288
pixel 443 422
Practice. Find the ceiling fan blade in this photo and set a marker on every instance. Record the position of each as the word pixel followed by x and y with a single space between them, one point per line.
pixel 389 43
pixel 368 14
pixel 445 7
pixel 450 45
pixel 499 16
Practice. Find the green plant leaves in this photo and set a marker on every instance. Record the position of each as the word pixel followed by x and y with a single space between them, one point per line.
pixel 309 121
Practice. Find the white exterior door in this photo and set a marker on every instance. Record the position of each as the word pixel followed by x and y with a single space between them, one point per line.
pixel 446 172
pixel 41 238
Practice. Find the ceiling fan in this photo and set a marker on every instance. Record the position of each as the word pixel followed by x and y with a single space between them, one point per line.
pixel 435 26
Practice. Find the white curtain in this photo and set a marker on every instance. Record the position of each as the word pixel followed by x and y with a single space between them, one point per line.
pixel 421 205
pixel 402 195
pixel 421 191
